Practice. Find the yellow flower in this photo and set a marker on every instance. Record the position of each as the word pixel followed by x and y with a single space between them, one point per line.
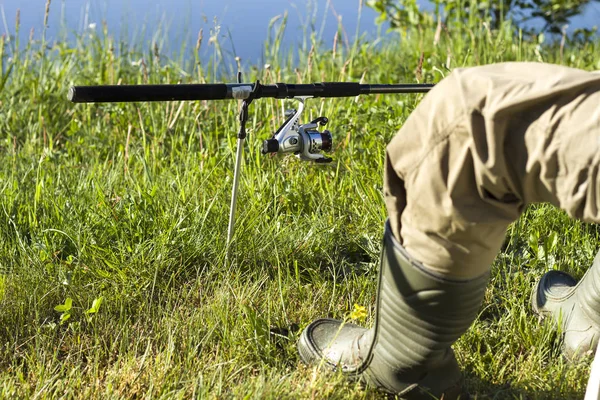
pixel 359 313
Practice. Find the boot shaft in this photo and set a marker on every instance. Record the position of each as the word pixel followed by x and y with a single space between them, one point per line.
pixel 419 314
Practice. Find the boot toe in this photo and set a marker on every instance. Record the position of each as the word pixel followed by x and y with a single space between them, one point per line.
pixel 333 342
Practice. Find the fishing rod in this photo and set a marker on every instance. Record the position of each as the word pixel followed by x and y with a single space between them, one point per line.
pixel 303 140
pixel 239 91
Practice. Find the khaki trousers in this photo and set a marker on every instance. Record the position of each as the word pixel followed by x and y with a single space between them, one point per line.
pixel 484 143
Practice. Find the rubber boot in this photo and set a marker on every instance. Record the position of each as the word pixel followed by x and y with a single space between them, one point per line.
pixel 407 352
pixel 575 307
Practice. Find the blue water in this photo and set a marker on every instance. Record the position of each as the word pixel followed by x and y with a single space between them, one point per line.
pixel 242 24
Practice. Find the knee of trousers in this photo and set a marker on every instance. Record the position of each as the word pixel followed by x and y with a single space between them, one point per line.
pixel 443 206
pixel 443 221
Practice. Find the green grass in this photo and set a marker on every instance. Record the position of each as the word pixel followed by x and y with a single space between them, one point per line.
pixel 129 203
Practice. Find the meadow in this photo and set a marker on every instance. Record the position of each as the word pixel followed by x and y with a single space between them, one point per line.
pixel 113 219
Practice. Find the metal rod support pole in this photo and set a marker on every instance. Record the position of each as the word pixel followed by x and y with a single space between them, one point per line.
pixel 234 190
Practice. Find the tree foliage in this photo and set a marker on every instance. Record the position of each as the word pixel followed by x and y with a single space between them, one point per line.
pixel 553 14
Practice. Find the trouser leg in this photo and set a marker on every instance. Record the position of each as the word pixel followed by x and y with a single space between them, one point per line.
pixel 489 141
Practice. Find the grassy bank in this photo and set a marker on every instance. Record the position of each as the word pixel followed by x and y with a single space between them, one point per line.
pixel 123 210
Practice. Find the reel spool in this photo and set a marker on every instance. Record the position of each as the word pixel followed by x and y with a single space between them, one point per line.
pixel 306 141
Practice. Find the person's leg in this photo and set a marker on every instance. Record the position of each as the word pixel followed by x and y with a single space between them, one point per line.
pixel 477 149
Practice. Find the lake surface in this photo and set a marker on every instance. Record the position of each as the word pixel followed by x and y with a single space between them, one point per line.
pixel 242 24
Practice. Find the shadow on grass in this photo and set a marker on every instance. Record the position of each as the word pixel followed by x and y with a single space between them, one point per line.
pixel 481 389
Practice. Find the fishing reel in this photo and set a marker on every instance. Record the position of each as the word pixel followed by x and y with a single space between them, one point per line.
pixel 306 141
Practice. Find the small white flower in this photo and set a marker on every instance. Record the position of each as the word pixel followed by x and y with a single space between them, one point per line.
pixel 92 26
